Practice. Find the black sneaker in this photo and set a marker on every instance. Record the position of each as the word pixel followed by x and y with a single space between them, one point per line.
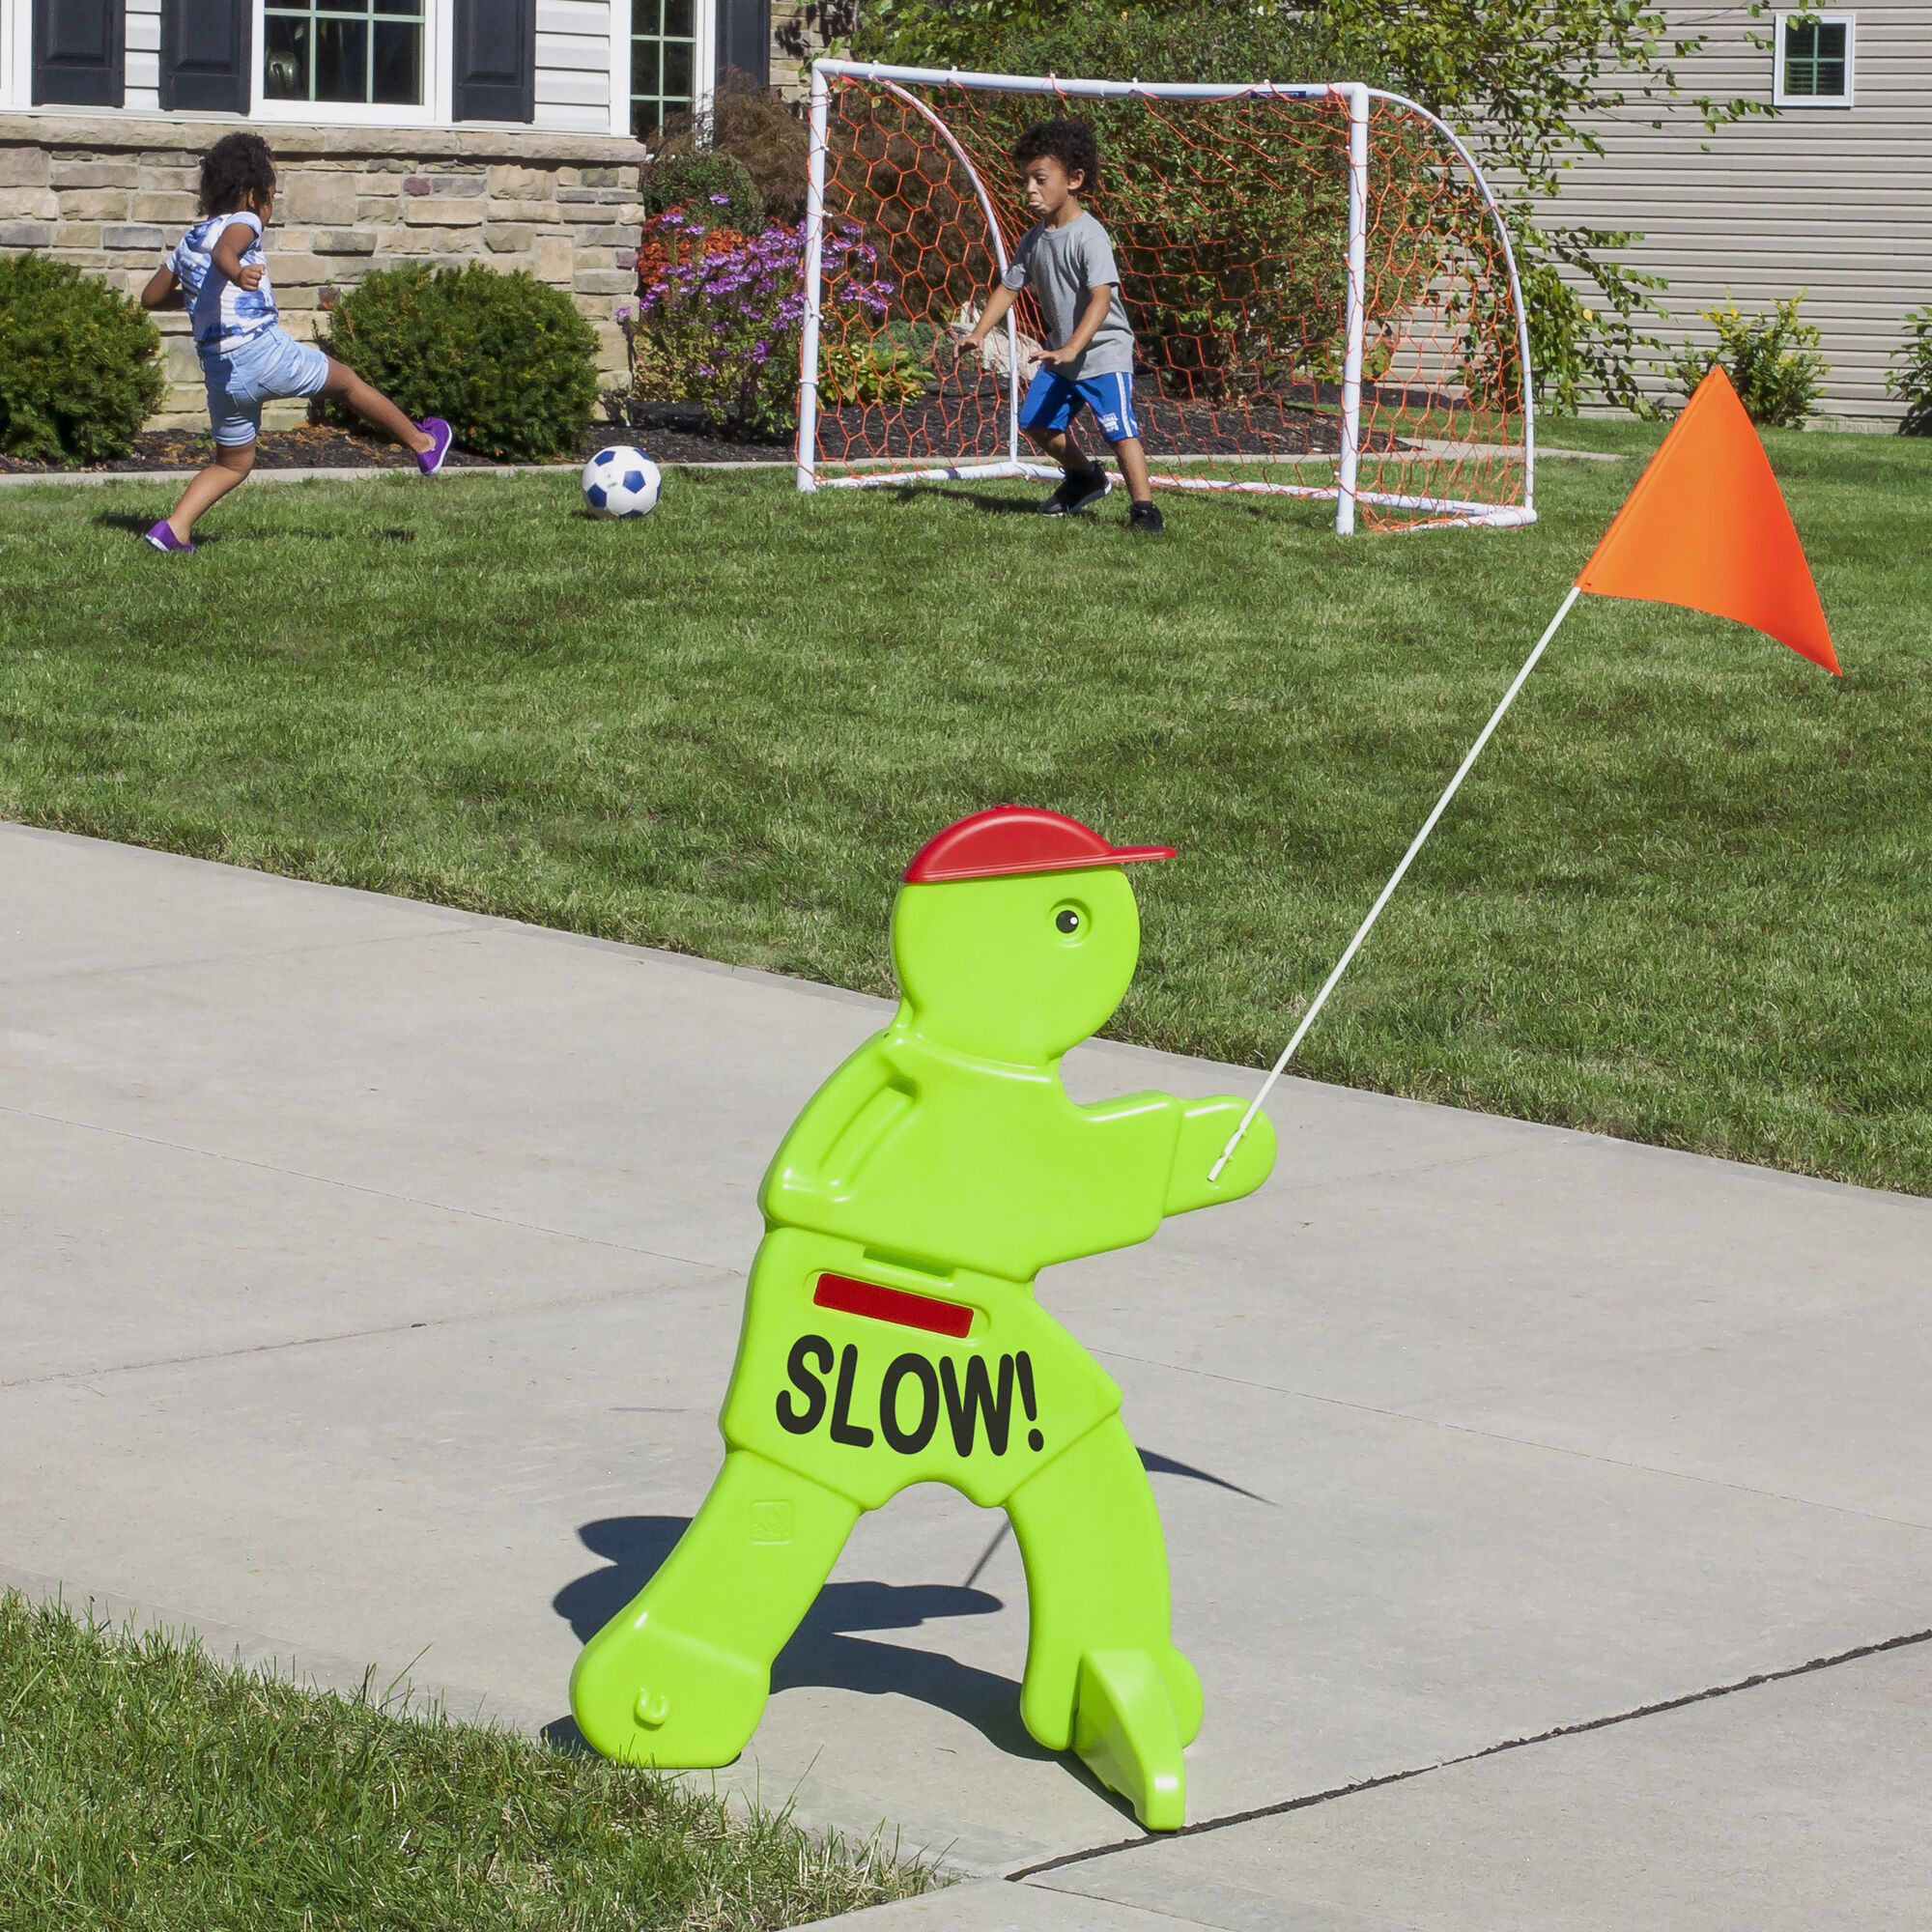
pixel 1146 516
pixel 1075 492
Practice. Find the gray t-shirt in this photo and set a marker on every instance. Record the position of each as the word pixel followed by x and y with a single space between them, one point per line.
pixel 1063 266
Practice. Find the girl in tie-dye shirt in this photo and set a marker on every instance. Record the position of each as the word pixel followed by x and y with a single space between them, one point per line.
pixel 220 275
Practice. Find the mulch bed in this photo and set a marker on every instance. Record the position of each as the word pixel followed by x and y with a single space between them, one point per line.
pixel 956 419
pixel 960 416
pixel 311 448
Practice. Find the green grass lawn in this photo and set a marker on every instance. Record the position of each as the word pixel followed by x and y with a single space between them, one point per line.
pixel 1684 898
pixel 145 1788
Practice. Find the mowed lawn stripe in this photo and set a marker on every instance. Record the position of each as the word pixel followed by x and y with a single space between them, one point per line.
pixel 1682 900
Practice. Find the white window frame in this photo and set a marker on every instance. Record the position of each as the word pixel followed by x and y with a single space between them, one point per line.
pixel 1780 98
pixel 436 110
pixel 703 65
pixel 16 52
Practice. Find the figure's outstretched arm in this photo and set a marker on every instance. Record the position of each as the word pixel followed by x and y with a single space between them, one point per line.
pixel 1205 1127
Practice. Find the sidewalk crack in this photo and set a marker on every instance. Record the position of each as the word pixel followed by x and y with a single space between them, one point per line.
pixel 1756 1681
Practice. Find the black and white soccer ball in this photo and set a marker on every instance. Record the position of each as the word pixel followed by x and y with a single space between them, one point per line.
pixel 621 482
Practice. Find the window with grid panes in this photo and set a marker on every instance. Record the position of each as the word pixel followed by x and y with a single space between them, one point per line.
pixel 359 50
pixel 1815 63
pixel 664 62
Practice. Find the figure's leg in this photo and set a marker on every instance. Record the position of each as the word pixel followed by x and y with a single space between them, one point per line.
pixel 680 1678
pixel 344 385
pixel 1102 1674
pixel 1061 446
pixel 230 466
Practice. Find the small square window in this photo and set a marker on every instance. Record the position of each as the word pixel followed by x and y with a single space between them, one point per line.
pixel 1814 60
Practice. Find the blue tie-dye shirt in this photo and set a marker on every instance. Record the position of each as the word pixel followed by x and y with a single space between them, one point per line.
pixel 223 313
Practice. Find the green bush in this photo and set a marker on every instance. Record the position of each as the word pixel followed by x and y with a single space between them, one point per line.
pixel 1911 381
pixel 505 359
pixel 713 188
pixel 80 366
pixel 1771 361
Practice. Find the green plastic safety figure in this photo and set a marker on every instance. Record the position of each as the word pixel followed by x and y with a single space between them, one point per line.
pixel 891 1337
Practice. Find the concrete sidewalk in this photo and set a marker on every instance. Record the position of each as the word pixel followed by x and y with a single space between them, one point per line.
pixel 369 1278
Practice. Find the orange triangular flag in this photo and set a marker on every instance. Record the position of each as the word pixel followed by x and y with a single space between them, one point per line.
pixel 1706 527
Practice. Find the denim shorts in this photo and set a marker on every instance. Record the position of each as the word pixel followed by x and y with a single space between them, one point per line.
pixel 263 369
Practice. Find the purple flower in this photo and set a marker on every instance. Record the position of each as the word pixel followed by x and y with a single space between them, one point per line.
pixel 721 201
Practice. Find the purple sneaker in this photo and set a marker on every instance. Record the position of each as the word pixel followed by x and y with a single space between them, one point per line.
pixel 429 461
pixel 163 538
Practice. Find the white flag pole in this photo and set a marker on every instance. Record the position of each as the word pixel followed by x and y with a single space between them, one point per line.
pixel 1375 911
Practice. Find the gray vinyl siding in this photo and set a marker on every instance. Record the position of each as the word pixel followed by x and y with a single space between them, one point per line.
pixel 1837 201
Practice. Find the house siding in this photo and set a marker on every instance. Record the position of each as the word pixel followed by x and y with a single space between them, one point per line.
pixel 141 74
pixel 574 67
pixel 1833 201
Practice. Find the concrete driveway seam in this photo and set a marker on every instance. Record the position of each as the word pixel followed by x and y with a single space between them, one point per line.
pixel 251 956
pixel 81 1378
pixel 354 1186
pixel 1756 1681
pixel 1514 1441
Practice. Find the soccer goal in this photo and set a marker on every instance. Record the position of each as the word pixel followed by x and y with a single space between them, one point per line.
pixel 1320 280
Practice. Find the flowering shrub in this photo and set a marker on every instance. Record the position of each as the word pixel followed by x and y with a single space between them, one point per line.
pixel 716 187
pixel 1773 362
pixel 718 313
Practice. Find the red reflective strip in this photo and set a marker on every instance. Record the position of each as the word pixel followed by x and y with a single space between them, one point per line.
pixel 892 1304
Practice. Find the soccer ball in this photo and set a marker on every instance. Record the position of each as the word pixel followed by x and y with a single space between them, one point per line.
pixel 621 482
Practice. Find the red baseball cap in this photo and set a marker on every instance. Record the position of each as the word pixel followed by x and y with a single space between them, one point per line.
pixel 1014 839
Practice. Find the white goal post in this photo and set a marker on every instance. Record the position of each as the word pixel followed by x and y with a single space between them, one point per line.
pixel 1447 436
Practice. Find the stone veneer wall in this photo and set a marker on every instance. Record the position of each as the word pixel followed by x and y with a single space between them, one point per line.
pixel 114 194
pixel 801 31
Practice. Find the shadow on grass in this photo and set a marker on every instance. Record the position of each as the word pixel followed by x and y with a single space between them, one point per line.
pixel 138 526
pixel 980 500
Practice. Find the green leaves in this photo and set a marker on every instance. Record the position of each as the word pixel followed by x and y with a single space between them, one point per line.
pixel 79 364
pixel 506 359
pixel 1910 379
pixel 1771 361
pixel 145 1787
pixel 1522 81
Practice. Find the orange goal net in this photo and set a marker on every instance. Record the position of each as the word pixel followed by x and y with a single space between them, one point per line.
pixel 1324 298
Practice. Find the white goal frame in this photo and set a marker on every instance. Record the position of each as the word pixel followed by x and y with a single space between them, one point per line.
pixel 1344 490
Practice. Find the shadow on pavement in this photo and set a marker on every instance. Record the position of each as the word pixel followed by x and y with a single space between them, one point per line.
pixel 823 1652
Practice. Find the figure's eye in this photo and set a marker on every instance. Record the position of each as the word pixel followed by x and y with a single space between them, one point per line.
pixel 1069 920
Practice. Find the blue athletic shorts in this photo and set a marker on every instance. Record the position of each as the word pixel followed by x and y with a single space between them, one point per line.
pixel 1052 398
pixel 263 369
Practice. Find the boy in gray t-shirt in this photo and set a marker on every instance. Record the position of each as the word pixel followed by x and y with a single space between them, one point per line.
pixel 1066 263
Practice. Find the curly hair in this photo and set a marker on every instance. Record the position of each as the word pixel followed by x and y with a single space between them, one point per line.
pixel 1070 143
pixel 236 170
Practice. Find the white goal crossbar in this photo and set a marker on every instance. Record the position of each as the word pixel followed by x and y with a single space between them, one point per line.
pixel 1345 489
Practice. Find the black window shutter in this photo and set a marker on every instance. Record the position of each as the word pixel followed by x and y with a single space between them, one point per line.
pixel 745 41
pixel 204 55
pixel 77 52
pixel 495 77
